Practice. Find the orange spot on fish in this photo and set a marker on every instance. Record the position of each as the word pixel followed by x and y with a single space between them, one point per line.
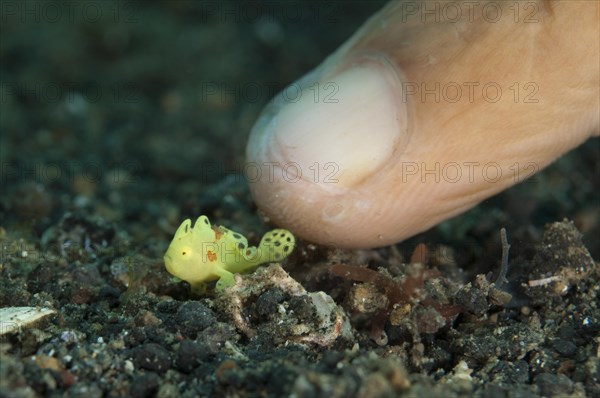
pixel 218 233
pixel 212 256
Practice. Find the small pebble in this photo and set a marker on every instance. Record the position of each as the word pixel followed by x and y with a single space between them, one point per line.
pixel 153 357
pixel 190 355
pixel 268 302
pixel 564 347
pixel 193 317
pixel 144 386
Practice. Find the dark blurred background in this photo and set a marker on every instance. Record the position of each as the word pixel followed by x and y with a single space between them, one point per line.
pixel 123 104
pixel 139 111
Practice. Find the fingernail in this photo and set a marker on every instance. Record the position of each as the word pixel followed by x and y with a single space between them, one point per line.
pixel 335 128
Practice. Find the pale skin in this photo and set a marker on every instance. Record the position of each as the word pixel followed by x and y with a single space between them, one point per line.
pixel 433 115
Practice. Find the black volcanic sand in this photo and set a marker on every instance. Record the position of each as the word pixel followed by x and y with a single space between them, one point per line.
pixel 121 119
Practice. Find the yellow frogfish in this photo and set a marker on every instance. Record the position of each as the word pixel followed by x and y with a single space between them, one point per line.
pixel 205 253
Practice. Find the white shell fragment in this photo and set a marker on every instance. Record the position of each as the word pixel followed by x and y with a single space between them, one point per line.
pixel 322 324
pixel 14 319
